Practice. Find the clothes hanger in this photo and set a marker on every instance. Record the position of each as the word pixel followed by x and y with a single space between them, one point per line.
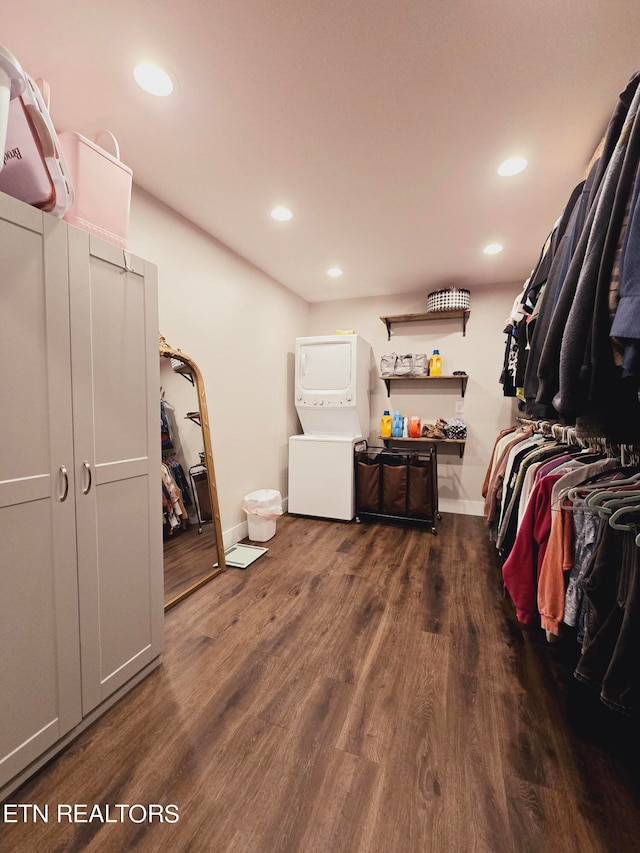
pixel 596 496
pixel 624 510
pixel 609 507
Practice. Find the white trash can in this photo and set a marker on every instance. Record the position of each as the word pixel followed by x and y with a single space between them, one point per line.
pixel 262 509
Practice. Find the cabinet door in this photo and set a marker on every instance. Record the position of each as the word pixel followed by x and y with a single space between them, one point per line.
pixel 116 411
pixel 39 642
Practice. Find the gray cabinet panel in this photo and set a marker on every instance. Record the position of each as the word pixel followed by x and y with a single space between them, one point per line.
pixel 80 500
pixel 23 332
pixel 39 635
pixel 117 458
pixel 124 578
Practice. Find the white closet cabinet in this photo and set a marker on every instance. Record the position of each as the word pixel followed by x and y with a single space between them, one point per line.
pixel 40 651
pixel 81 613
pixel 116 387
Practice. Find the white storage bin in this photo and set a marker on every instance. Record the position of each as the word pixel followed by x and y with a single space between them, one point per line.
pixel 102 187
pixel 262 509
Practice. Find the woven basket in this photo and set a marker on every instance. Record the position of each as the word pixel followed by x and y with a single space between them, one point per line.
pixel 451 299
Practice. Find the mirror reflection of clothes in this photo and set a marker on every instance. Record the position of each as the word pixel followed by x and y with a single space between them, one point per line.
pixel 176 496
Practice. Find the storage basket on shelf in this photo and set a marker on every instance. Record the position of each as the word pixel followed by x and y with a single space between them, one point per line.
pixel 102 185
pixel 34 168
pixel 450 299
pixel 411 364
pixel 456 429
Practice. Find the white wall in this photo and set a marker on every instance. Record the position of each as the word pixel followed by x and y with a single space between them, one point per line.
pixel 480 353
pixel 240 326
pixel 181 397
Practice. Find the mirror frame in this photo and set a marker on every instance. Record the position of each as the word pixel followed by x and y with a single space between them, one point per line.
pixel 167 351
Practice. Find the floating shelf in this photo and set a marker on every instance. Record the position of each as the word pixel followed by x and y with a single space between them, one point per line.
pixel 462 379
pixel 183 370
pixel 461 313
pixel 459 441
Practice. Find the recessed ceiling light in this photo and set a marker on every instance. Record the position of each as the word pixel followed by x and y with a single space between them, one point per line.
pixel 153 79
pixel 282 214
pixel 334 272
pixel 492 249
pixel 512 166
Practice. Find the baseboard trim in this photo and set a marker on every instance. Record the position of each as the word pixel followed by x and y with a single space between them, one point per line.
pixel 235 534
pixel 461 507
pixel 241 531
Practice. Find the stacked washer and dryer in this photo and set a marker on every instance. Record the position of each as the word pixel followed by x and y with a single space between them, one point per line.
pixel 332 400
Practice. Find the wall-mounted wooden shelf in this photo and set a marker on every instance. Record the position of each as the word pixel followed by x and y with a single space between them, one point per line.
pixel 183 370
pixel 459 441
pixel 462 379
pixel 462 314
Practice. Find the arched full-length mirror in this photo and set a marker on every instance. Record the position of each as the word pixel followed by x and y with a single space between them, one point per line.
pixel 193 546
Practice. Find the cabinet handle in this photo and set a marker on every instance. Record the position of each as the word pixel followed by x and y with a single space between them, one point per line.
pixel 87 468
pixel 65 480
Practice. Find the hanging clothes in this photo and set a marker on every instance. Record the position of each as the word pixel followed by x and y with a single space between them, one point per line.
pixel 589 381
pixel 178 474
pixel 487 476
pixel 568 570
pixel 568 545
pixel 570 359
pixel 177 499
pixel 493 499
pixel 609 659
pixel 521 569
pixel 174 493
pixel 165 428
pixel 573 353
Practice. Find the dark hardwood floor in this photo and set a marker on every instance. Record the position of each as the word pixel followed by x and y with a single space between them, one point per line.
pixel 359 688
pixel 189 556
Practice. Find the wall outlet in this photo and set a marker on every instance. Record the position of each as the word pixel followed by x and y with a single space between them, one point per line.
pixel 459 407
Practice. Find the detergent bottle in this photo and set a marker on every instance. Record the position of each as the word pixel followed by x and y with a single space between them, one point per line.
pixel 385 424
pixel 396 427
pixel 414 427
pixel 435 364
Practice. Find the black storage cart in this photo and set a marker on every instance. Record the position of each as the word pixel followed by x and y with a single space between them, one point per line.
pixel 200 488
pixel 397 485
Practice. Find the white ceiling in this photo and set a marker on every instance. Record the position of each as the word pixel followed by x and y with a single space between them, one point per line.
pixel 380 123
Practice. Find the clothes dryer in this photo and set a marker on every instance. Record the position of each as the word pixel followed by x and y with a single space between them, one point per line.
pixel 332 384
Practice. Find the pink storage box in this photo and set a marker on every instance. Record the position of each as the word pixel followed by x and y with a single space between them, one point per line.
pixel 102 188
pixel 34 169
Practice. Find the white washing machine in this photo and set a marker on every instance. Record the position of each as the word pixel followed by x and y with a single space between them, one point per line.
pixel 321 476
pixel 332 400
